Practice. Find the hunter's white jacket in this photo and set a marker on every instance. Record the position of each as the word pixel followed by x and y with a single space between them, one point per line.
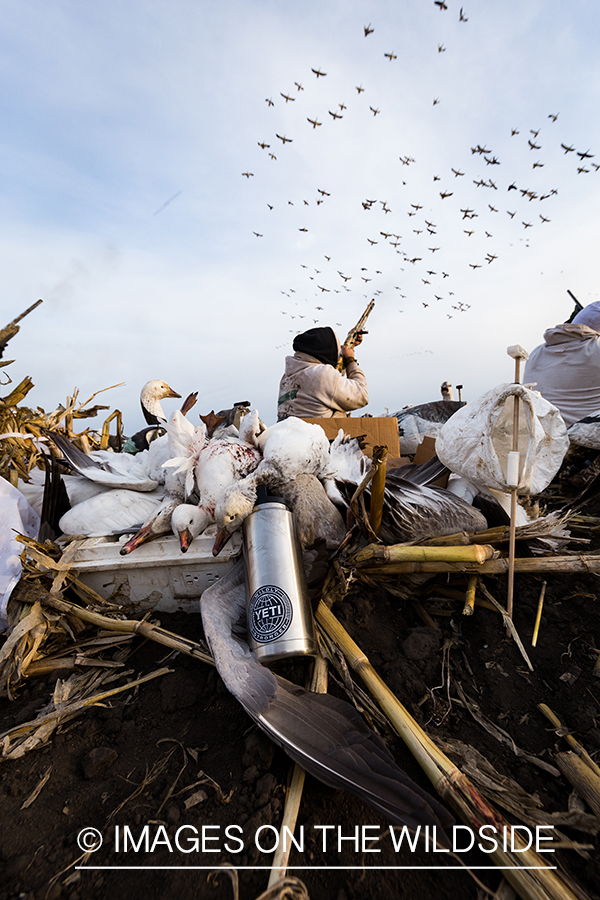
pixel 310 389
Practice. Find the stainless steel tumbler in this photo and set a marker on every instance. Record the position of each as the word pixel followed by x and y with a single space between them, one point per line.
pixel 280 622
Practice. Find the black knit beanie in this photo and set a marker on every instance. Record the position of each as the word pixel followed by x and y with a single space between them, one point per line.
pixel 320 343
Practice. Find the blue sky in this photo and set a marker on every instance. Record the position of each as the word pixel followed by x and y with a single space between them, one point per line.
pixel 111 110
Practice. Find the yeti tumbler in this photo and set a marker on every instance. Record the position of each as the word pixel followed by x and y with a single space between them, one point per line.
pixel 280 622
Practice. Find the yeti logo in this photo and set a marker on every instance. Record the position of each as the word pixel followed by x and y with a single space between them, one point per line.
pixel 269 614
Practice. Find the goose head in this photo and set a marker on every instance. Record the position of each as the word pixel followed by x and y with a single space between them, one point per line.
pixel 151 395
pixel 187 522
pixel 233 507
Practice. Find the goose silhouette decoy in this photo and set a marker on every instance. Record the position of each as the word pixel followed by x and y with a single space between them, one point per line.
pixel 150 396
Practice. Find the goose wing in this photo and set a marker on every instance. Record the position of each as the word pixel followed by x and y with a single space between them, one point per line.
pixel 326 736
pixel 412 512
pixel 111 512
pixel 424 473
pixel 118 470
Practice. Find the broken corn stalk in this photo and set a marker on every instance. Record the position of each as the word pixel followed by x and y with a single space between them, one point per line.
pixel 400 553
pixel 294 794
pixel 573 742
pixel 585 781
pixel 377 489
pixel 469 606
pixel 559 565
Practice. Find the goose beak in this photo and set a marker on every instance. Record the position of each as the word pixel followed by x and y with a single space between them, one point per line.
pixel 221 539
pixel 143 535
pixel 185 539
pixel 172 393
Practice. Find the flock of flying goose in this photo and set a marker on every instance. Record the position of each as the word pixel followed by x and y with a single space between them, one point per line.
pixel 468 199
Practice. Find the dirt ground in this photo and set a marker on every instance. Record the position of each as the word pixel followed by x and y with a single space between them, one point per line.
pixel 121 765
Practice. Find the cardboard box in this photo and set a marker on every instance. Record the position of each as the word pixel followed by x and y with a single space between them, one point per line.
pixel 378 431
pixel 425 451
pixel 157 575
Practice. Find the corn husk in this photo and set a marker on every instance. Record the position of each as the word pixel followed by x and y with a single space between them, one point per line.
pixel 20 453
pixel 507 793
pixel 551 526
pixel 17 741
pixel 128 626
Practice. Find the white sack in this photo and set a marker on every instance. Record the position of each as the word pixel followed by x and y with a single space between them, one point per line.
pixel 566 370
pixel 476 441
pixel 15 515
pixel 586 433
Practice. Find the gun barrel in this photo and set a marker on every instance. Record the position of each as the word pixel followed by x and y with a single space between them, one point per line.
pixel 359 328
pixel 26 313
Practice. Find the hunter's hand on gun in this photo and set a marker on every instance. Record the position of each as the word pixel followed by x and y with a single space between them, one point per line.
pixel 348 352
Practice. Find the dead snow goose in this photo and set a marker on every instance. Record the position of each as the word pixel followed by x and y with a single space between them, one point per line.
pixel 413 510
pixel 295 446
pixel 111 512
pixel 187 522
pixel 182 438
pixel 315 516
pixel 290 448
pixel 114 470
pixel 221 463
pixel 346 462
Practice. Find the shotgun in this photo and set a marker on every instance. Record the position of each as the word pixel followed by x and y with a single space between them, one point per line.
pixel 355 334
pixel 26 313
pixel 12 328
pixel 578 307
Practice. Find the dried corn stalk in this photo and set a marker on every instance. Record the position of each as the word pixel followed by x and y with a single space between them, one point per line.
pixel 20 452
pixel 69 699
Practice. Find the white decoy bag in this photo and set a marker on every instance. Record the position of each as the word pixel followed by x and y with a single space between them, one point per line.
pixel 586 433
pixel 476 440
pixel 16 516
